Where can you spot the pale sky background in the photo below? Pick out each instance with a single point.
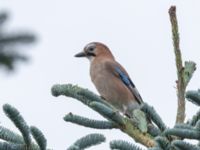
(137, 31)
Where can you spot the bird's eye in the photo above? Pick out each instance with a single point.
(90, 49)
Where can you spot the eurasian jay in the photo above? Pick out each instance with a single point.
(111, 79)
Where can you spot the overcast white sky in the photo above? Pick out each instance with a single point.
(137, 31)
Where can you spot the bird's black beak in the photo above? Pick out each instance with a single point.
(81, 54)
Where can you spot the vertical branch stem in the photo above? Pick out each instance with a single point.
(180, 70)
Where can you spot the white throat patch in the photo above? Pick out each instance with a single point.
(90, 58)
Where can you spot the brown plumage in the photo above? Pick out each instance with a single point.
(110, 78)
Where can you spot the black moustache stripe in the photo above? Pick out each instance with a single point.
(91, 54)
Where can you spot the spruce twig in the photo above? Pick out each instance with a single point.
(155, 148)
(182, 145)
(184, 73)
(19, 122)
(9, 42)
(150, 112)
(153, 130)
(83, 95)
(3, 17)
(87, 141)
(11, 146)
(13, 141)
(180, 70)
(194, 97)
(124, 124)
(13, 39)
(184, 126)
(194, 119)
(10, 136)
(163, 142)
(197, 126)
(89, 122)
(183, 133)
(108, 113)
(39, 137)
(123, 145)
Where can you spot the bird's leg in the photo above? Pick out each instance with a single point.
(125, 112)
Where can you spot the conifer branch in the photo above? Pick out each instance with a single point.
(153, 131)
(184, 126)
(14, 146)
(183, 133)
(163, 142)
(19, 122)
(17, 39)
(3, 17)
(89, 122)
(10, 136)
(83, 95)
(194, 119)
(108, 113)
(194, 97)
(197, 126)
(180, 70)
(9, 42)
(39, 137)
(182, 145)
(13, 141)
(153, 115)
(87, 141)
(184, 73)
(11, 146)
(123, 145)
(96, 103)
(155, 148)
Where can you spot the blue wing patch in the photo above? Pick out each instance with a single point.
(124, 77)
(127, 81)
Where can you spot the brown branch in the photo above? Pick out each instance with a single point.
(139, 137)
(180, 69)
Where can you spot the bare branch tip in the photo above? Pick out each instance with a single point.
(172, 10)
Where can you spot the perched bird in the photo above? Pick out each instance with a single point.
(111, 79)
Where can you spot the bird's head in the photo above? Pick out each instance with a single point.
(95, 50)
